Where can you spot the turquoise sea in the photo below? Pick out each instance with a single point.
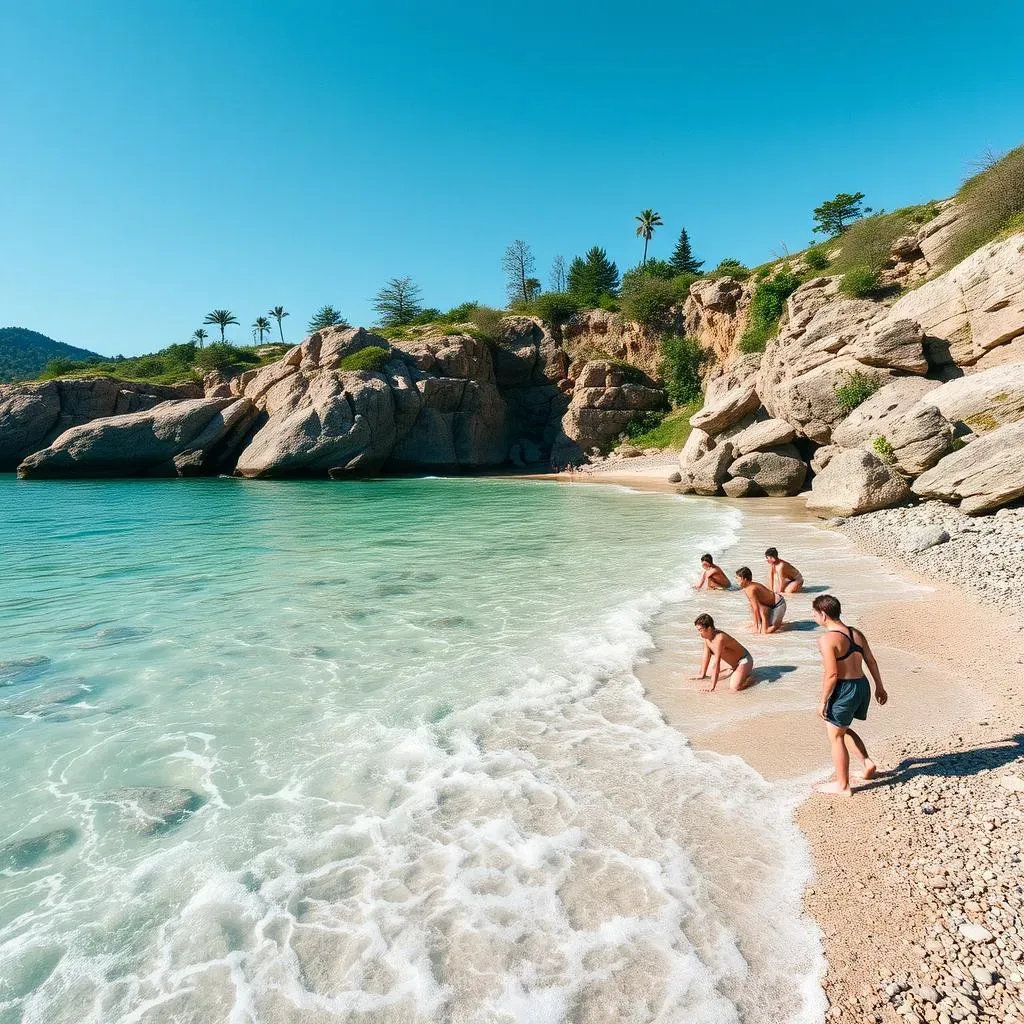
(416, 776)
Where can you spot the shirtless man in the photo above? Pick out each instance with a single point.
(767, 608)
(783, 576)
(711, 576)
(723, 651)
(845, 693)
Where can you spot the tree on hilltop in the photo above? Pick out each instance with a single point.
(833, 216)
(221, 318)
(261, 326)
(279, 313)
(557, 279)
(649, 220)
(398, 302)
(198, 337)
(518, 264)
(592, 276)
(683, 261)
(326, 316)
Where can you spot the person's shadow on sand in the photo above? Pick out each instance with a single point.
(956, 764)
(815, 590)
(799, 626)
(772, 673)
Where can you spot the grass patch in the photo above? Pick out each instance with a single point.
(857, 388)
(371, 359)
(883, 449)
(992, 204)
(668, 431)
(981, 422)
(867, 243)
(859, 283)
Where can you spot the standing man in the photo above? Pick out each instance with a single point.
(722, 651)
(767, 608)
(783, 576)
(845, 693)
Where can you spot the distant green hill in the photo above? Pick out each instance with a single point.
(24, 353)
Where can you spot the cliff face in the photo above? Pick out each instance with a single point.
(934, 379)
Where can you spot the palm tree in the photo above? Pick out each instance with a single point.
(221, 317)
(649, 220)
(279, 313)
(261, 325)
(199, 336)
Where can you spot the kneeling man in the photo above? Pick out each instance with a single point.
(845, 693)
(722, 650)
(767, 607)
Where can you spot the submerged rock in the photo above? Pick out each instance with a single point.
(22, 670)
(20, 854)
(152, 809)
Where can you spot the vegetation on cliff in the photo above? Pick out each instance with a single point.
(24, 353)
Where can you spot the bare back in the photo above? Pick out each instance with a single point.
(848, 646)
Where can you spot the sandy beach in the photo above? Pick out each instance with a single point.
(917, 886)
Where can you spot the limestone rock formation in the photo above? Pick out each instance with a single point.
(716, 314)
(919, 439)
(853, 482)
(779, 472)
(603, 402)
(973, 307)
(898, 345)
(34, 415)
(982, 401)
(707, 474)
(589, 334)
(143, 443)
(697, 444)
(730, 395)
(874, 416)
(762, 435)
(986, 475)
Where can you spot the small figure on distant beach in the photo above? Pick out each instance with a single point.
(767, 607)
(783, 576)
(845, 693)
(723, 652)
(711, 575)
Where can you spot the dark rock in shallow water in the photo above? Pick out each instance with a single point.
(120, 635)
(22, 670)
(43, 701)
(152, 809)
(20, 854)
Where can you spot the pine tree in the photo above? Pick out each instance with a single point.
(593, 276)
(682, 258)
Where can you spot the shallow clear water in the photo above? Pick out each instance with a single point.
(427, 785)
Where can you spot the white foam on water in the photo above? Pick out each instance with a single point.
(549, 852)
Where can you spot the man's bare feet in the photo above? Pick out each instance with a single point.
(868, 771)
(832, 789)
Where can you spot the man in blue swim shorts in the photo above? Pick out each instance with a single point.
(845, 692)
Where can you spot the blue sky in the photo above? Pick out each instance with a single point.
(164, 159)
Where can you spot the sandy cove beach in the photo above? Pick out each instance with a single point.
(918, 887)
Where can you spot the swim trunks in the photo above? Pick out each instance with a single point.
(745, 658)
(776, 611)
(849, 700)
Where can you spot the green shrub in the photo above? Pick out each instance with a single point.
(682, 360)
(857, 388)
(883, 449)
(371, 359)
(649, 299)
(426, 316)
(460, 314)
(608, 302)
(731, 268)
(642, 424)
(868, 242)
(487, 320)
(766, 307)
(859, 282)
(993, 203)
(554, 308)
(817, 259)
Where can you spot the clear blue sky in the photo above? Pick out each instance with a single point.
(164, 159)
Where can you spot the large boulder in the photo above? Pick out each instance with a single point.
(761, 436)
(919, 439)
(853, 482)
(982, 401)
(729, 396)
(875, 415)
(710, 471)
(780, 473)
(898, 345)
(986, 475)
(34, 415)
(974, 307)
(697, 444)
(716, 314)
(142, 443)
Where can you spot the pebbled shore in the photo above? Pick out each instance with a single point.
(984, 555)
